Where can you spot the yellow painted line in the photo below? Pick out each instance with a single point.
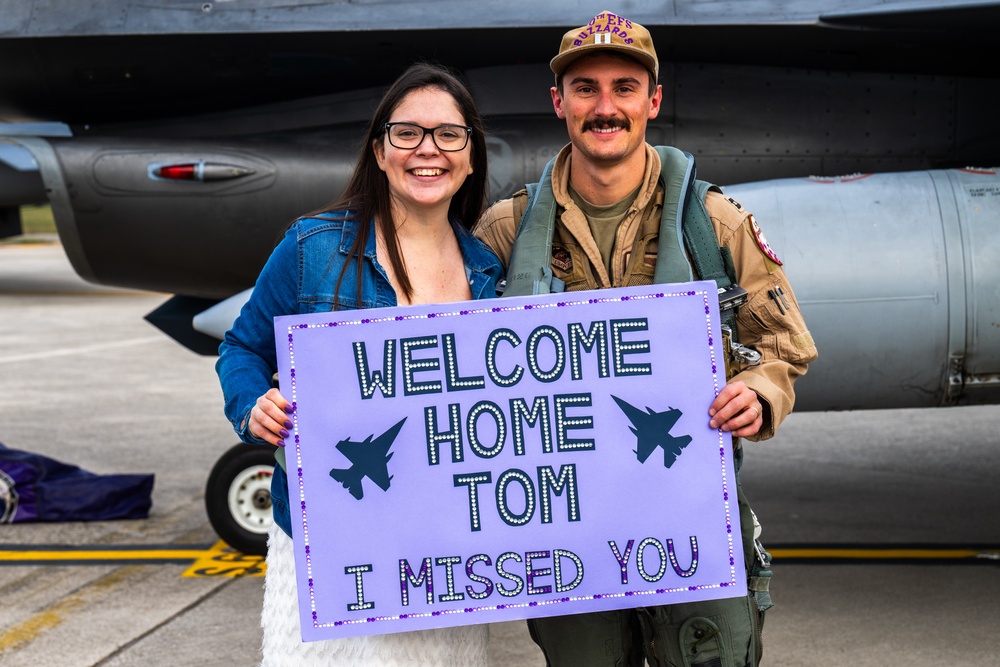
(219, 560)
(52, 616)
(27, 631)
(101, 555)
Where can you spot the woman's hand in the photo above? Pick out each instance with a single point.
(269, 418)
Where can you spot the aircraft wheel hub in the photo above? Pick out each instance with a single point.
(250, 498)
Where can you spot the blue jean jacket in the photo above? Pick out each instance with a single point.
(301, 277)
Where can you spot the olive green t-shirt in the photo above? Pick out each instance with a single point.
(604, 221)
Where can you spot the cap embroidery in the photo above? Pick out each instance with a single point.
(602, 30)
(607, 31)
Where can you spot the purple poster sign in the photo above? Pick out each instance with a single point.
(508, 458)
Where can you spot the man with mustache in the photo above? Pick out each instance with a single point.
(603, 198)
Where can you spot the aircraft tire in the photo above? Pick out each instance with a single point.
(238, 497)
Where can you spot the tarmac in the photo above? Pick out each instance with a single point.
(883, 523)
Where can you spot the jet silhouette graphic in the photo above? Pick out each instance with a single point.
(369, 460)
(652, 430)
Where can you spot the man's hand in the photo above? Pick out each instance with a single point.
(736, 409)
(269, 418)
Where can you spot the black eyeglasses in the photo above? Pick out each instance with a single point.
(448, 138)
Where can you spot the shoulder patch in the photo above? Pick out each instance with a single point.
(758, 235)
(735, 203)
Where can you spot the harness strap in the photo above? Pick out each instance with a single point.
(676, 173)
(530, 270)
(700, 237)
(710, 261)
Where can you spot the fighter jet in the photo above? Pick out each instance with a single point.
(370, 460)
(175, 139)
(652, 430)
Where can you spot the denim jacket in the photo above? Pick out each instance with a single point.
(301, 277)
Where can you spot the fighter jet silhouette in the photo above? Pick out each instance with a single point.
(652, 430)
(370, 460)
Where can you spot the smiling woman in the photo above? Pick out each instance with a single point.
(423, 178)
(398, 235)
(422, 175)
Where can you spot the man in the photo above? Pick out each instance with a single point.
(609, 191)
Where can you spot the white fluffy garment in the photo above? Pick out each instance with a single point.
(464, 646)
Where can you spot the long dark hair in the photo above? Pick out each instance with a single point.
(367, 193)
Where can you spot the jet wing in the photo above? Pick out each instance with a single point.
(634, 414)
(644, 447)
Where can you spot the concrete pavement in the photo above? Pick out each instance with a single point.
(85, 380)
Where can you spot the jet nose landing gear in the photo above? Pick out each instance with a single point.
(238, 497)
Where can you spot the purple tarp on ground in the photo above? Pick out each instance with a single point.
(37, 488)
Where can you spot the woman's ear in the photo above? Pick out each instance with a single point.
(378, 148)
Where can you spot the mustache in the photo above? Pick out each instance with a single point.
(607, 124)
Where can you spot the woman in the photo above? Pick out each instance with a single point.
(397, 236)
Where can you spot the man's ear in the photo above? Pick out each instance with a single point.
(655, 101)
(557, 102)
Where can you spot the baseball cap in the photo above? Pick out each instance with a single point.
(607, 30)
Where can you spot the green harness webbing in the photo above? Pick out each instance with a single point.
(530, 270)
(684, 225)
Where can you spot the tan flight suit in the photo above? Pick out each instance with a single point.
(784, 343)
(778, 333)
